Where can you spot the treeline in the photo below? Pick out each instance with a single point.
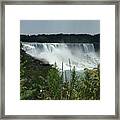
(61, 38)
(39, 81)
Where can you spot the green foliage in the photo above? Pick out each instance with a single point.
(38, 82)
(90, 86)
(63, 38)
(66, 38)
(54, 79)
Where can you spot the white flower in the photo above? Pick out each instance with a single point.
(40, 90)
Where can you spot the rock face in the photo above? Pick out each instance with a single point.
(33, 68)
(25, 56)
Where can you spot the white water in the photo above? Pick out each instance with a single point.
(81, 55)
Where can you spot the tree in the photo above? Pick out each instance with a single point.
(54, 85)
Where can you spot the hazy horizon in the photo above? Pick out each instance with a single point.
(35, 27)
(59, 33)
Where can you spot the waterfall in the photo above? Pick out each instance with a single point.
(81, 55)
(88, 48)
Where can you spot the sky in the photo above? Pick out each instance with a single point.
(59, 26)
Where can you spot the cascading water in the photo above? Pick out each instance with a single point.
(81, 55)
